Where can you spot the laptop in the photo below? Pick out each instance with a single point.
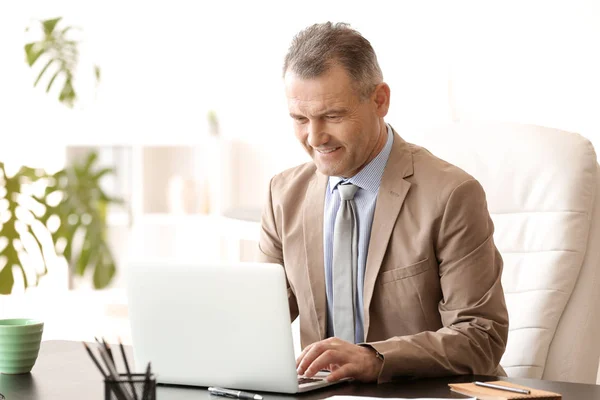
(225, 325)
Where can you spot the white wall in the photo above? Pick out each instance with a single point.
(165, 64)
(531, 63)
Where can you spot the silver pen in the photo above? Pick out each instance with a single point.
(236, 394)
(501, 387)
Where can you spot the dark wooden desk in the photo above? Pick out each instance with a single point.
(64, 371)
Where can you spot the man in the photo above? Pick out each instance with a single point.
(388, 250)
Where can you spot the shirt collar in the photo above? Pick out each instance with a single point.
(368, 178)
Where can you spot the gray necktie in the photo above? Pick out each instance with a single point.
(345, 264)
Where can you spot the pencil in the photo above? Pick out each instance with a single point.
(127, 369)
(146, 391)
(95, 360)
(502, 387)
(116, 384)
(108, 351)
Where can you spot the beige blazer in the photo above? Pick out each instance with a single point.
(433, 301)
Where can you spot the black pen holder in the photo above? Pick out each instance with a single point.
(124, 388)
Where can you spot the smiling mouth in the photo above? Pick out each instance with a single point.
(328, 151)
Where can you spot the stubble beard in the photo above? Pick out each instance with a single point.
(327, 169)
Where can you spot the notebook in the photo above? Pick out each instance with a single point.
(224, 325)
(483, 393)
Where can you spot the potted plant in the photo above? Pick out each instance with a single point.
(71, 209)
(60, 54)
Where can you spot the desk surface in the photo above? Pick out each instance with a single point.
(64, 371)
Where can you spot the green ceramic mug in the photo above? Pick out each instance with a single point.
(19, 344)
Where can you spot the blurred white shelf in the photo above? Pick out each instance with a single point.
(168, 191)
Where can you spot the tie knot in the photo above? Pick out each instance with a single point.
(347, 191)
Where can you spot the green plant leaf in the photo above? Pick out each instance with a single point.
(109, 199)
(52, 80)
(59, 50)
(14, 189)
(45, 271)
(44, 71)
(25, 280)
(6, 279)
(104, 271)
(102, 172)
(68, 233)
(82, 195)
(63, 32)
(67, 94)
(33, 51)
(84, 256)
(90, 160)
(32, 174)
(49, 25)
(97, 73)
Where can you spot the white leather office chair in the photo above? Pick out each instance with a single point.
(541, 187)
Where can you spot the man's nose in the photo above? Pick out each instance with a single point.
(316, 134)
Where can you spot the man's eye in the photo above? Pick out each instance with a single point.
(332, 117)
(300, 120)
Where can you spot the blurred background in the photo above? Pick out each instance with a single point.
(153, 128)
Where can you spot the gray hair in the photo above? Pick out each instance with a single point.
(320, 46)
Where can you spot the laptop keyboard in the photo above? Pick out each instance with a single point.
(302, 380)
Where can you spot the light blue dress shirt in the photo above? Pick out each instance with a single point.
(368, 180)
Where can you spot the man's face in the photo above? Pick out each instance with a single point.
(338, 129)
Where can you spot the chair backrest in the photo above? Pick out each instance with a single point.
(541, 188)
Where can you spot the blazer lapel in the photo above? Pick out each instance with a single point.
(391, 195)
(313, 241)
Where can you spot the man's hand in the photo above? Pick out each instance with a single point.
(343, 359)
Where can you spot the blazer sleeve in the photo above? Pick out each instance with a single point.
(473, 310)
(271, 248)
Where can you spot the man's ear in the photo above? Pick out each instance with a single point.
(381, 97)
